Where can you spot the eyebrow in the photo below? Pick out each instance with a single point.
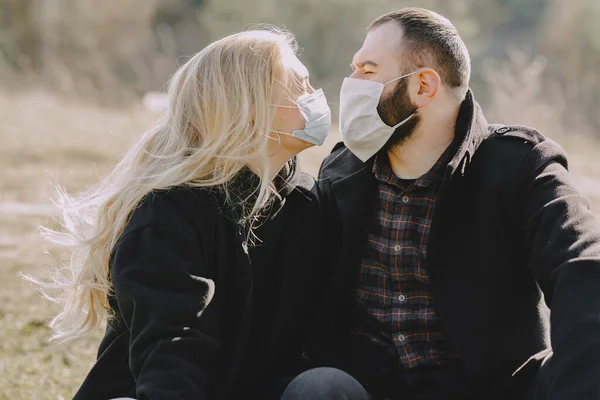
(366, 62)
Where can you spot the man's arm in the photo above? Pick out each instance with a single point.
(562, 238)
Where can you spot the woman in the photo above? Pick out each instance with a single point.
(187, 250)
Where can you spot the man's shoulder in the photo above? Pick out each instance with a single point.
(518, 138)
(340, 163)
(517, 143)
(516, 133)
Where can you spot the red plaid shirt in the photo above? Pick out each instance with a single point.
(394, 285)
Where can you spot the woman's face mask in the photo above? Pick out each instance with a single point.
(317, 118)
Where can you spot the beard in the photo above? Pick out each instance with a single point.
(394, 109)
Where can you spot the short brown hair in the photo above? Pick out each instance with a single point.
(430, 38)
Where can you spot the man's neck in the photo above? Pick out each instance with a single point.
(422, 149)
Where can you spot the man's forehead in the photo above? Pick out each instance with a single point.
(381, 42)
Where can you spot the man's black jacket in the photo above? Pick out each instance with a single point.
(509, 233)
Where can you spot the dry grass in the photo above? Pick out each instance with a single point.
(46, 141)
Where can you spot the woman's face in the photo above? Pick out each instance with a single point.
(290, 119)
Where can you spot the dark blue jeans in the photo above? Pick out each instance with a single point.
(325, 384)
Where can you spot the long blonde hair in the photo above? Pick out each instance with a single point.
(218, 118)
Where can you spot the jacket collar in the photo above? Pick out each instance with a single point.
(246, 183)
(293, 178)
(471, 130)
(244, 187)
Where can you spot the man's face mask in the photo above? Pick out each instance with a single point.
(362, 129)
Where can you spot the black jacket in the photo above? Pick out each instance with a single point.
(509, 230)
(194, 318)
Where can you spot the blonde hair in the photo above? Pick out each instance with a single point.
(218, 119)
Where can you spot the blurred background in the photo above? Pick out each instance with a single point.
(80, 80)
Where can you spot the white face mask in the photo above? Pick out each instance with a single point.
(361, 127)
(317, 116)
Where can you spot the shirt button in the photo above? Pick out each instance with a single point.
(401, 338)
(397, 248)
(405, 199)
(402, 298)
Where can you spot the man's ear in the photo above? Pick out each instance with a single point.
(429, 82)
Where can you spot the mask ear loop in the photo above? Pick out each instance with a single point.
(282, 106)
(411, 115)
(400, 77)
(404, 121)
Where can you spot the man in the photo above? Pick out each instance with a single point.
(449, 237)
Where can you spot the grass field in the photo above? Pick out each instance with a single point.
(46, 141)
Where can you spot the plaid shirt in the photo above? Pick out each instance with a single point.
(394, 285)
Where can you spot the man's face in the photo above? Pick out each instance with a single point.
(380, 60)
